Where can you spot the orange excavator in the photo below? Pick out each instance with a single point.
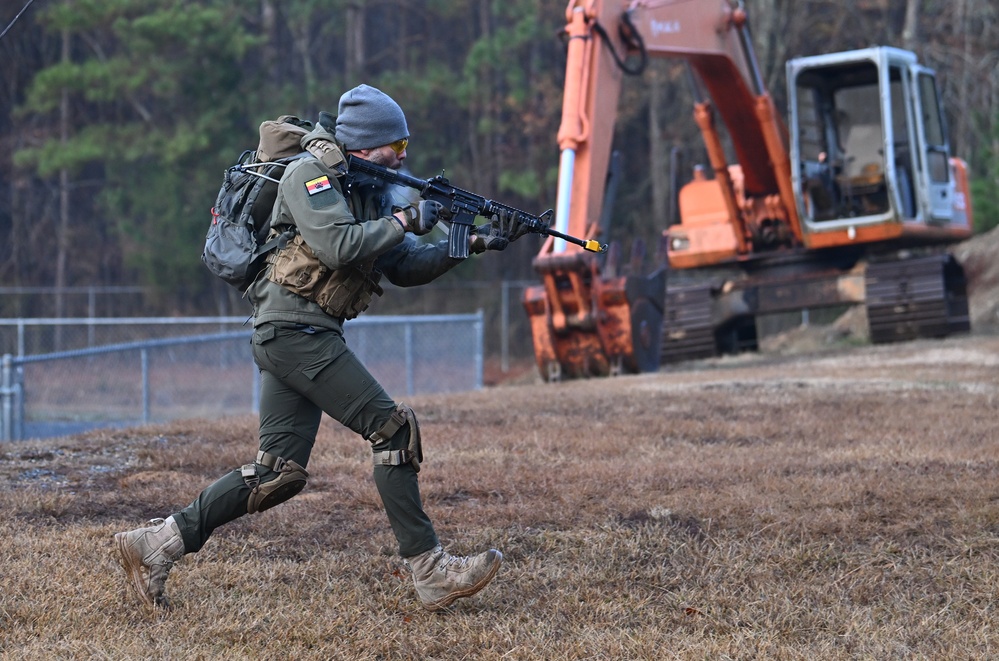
(852, 201)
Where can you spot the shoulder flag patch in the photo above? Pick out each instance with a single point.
(318, 185)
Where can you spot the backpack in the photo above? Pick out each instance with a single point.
(237, 241)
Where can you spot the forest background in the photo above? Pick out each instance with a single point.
(118, 117)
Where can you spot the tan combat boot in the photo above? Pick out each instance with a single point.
(147, 554)
(441, 578)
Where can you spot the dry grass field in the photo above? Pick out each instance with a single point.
(838, 504)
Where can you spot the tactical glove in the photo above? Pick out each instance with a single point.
(497, 234)
(513, 226)
(421, 219)
(487, 237)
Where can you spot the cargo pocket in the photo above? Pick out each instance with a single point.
(282, 351)
(331, 346)
(264, 334)
(260, 343)
(343, 386)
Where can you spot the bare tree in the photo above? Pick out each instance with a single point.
(658, 154)
(269, 28)
(354, 60)
(910, 31)
(62, 236)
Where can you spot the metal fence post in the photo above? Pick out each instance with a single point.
(408, 343)
(19, 401)
(144, 357)
(479, 326)
(91, 309)
(505, 327)
(10, 404)
(6, 394)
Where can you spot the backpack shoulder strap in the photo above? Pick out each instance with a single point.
(278, 241)
(329, 154)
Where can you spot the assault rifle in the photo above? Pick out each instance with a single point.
(464, 206)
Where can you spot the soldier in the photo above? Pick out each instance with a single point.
(345, 233)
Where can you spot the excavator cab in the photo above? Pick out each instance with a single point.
(868, 137)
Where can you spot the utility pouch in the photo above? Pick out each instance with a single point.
(348, 292)
(297, 268)
(341, 293)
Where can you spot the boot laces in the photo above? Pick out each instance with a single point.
(448, 562)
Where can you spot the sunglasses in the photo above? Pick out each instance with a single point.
(399, 146)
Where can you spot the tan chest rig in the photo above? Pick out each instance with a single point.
(341, 293)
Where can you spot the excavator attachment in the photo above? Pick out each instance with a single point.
(587, 321)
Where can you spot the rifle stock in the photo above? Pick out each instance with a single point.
(463, 206)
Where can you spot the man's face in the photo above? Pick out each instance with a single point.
(385, 156)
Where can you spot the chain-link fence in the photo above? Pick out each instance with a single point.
(113, 315)
(33, 336)
(95, 384)
(66, 302)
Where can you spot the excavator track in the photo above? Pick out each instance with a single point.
(906, 299)
(922, 297)
(688, 330)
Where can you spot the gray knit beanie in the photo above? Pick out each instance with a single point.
(368, 118)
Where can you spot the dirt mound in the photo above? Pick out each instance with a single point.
(849, 328)
(978, 256)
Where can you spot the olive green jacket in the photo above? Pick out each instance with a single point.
(341, 230)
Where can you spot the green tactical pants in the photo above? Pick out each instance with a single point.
(304, 374)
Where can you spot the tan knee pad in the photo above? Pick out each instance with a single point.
(291, 479)
(402, 415)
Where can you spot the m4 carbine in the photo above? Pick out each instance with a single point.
(463, 206)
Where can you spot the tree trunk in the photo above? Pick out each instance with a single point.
(910, 32)
(62, 236)
(486, 168)
(963, 26)
(354, 60)
(658, 154)
(763, 26)
(268, 27)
